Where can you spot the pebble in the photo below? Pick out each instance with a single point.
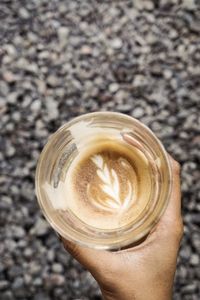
(55, 280)
(86, 50)
(196, 240)
(52, 109)
(36, 105)
(113, 87)
(52, 81)
(124, 107)
(57, 268)
(18, 283)
(195, 260)
(3, 284)
(18, 232)
(23, 13)
(116, 43)
(189, 4)
(40, 228)
(138, 112)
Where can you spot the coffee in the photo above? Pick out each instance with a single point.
(107, 185)
(103, 180)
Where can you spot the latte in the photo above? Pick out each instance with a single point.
(103, 180)
(108, 185)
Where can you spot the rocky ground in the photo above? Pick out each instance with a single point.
(60, 59)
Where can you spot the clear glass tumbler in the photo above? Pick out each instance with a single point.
(113, 225)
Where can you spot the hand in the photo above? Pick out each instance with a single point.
(145, 271)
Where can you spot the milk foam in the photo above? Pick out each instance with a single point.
(110, 190)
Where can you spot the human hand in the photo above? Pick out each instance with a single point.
(145, 271)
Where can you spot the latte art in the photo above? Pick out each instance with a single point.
(107, 194)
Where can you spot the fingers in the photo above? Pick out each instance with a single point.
(89, 258)
(171, 222)
(174, 207)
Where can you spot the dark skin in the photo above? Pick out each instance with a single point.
(145, 271)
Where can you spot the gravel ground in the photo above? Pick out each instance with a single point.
(60, 59)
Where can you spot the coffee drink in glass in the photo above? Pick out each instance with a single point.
(103, 180)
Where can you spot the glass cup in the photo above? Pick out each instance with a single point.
(113, 225)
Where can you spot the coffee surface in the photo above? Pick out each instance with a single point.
(106, 180)
(108, 184)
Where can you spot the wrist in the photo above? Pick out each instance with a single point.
(158, 293)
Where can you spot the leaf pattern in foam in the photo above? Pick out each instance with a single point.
(110, 186)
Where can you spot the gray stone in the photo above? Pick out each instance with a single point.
(18, 283)
(57, 268)
(138, 112)
(41, 296)
(40, 228)
(18, 232)
(36, 105)
(189, 4)
(195, 260)
(196, 241)
(53, 81)
(116, 43)
(52, 109)
(113, 87)
(37, 282)
(124, 107)
(63, 33)
(24, 14)
(3, 284)
(185, 252)
(55, 280)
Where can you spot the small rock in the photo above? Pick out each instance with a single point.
(40, 228)
(12, 97)
(50, 255)
(86, 50)
(140, 81)
(41, 296)
(8, 295)
(3, 284)
(148, 5)
(196, 241)
(113, 87)
(194, 260)
(34, 268)
(124, 107)
(37, 281)
(167, 74)
(57, 268)
(189, 4)
(28, 252)
(9, 77)
(189, 289)
(138, 112)
(52, 109)
(63, 33)
(185, 252)
(18, 283)
(116, 43)
(16, 116)
(23, 13)
(36, 105)
(10, 151)
(18, 232)
(55, 280)
(52, 81)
